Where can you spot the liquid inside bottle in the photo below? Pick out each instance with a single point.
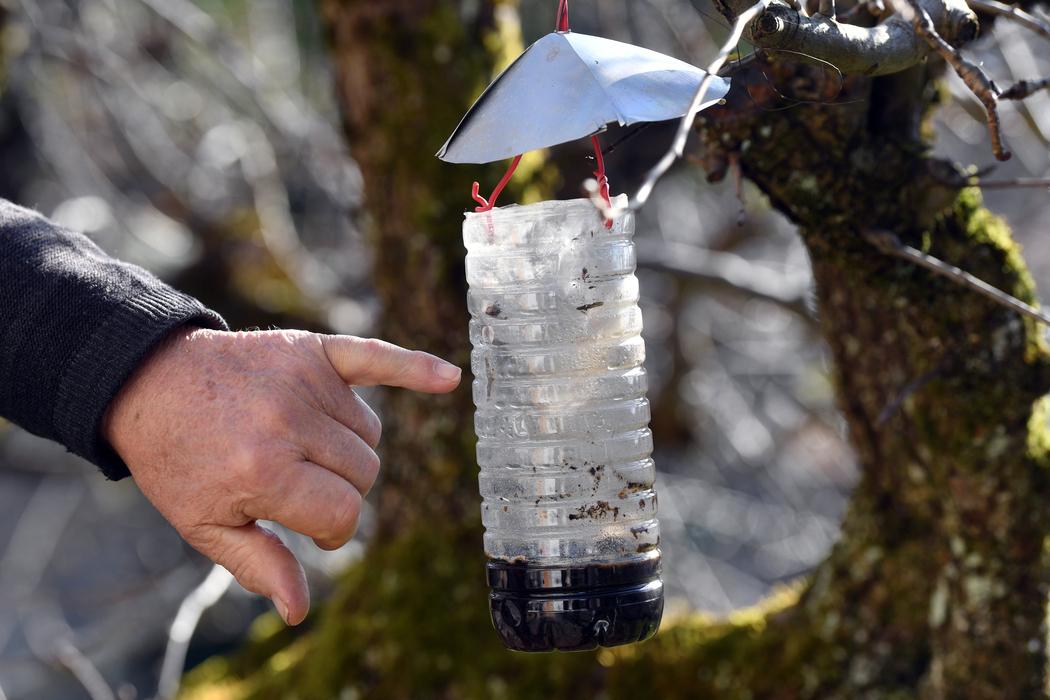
(564, 447)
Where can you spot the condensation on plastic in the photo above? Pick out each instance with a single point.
(562, 419)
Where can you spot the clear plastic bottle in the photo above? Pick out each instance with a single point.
(562, 421)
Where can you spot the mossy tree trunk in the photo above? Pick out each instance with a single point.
(406, 71)
(939, 583)
(938, 586)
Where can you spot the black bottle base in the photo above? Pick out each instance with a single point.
(543, 609)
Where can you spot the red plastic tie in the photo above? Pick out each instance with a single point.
(490, 203)
(601, 177)
(563, 16)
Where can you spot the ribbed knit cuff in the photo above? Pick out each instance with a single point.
(107, 359)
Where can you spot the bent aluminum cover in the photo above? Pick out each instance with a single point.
(568, 86)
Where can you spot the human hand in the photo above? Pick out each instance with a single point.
(220, 430)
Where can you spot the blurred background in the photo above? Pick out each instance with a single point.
(201, 140)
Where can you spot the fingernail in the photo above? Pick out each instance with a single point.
(282, 609)
(447, 371)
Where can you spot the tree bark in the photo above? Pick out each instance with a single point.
(939, 386)
(937, 588)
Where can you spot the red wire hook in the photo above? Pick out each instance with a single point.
(563, 16)
(490, 203)
(601, 177)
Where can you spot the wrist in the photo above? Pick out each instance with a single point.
(126, 408)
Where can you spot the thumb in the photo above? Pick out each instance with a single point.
(370, 362)
(262, 564)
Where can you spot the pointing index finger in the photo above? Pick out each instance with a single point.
(371, 362)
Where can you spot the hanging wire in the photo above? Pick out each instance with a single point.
(796, 101)
(600, 177)
(627, 137)
(490, 203)
(563, 16)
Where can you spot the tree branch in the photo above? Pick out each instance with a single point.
(886, 48)
(975, 78)
(685, 125)
(1026, 19)
(1024, 88)
(81, 668)
(890, 244)
(1008, 184)
(204, 596)
(49, 637)
(890, 47)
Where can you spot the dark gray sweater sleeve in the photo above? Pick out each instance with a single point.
(74, 323)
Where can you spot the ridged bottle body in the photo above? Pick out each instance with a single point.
(564, 447)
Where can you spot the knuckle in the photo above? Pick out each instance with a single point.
(370, 468)
(369, 426)
(259, 466)
(370, 346)
(375, 432)
(274, 417)
(248, 460)
(271, 476)
(345, 518)
(373, 426)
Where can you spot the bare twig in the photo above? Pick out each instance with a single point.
(738, 186)
(688, 27)
(35, 539)
(199, 27)
(727, 271)
(48, 635)
(1007, 184)
(204, 596)
(301, 125)
(1025, 19)
(1024, 88)
(979, 83)
(890, 244)
(1021, 59)
(685, 126)
(677, 148)
(165, 163)
(906, 393)
(80, 666)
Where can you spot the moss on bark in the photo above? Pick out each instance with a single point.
(937, 587)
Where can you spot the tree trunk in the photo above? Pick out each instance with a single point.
(937, 587)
